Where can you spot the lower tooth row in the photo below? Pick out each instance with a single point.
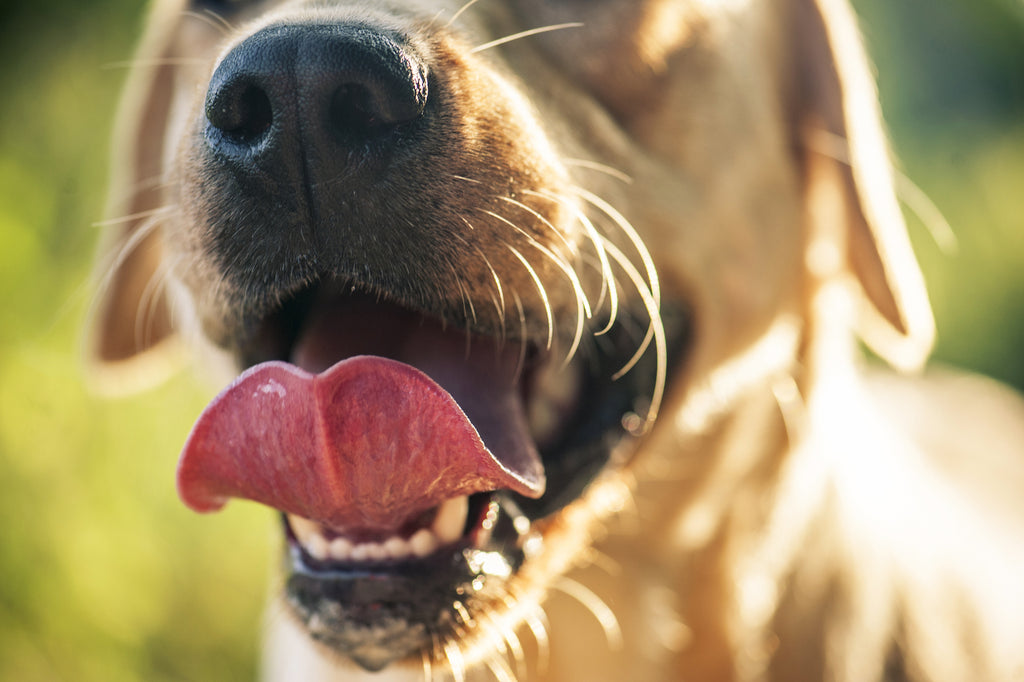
(422, 543)
(446, 528)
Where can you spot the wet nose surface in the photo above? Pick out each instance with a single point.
(319, 93)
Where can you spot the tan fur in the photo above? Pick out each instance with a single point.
(790, 516)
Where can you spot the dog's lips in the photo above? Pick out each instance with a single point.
(368, 443)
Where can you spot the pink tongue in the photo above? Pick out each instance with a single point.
(366, 444)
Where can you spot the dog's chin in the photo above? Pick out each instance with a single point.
(404, 588)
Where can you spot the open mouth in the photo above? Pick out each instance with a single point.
(411, 459)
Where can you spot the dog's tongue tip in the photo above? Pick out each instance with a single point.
(368, 441)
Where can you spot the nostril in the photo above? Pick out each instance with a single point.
(240, 110)
(353, 112)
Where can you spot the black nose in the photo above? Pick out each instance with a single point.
(312, 94)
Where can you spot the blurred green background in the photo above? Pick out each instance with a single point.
(104, 575)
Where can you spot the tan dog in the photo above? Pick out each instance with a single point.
(587, 277)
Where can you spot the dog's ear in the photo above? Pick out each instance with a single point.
(132, 344)
(840, 123)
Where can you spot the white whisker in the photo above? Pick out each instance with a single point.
(149, 299)
(536, 623)
(463, 613)
(837, 148)
(600, 610)
(631, 234)
(155, 62)
(212, 19)
(500, 669)
(655, 331)
(460, 12)
(607, 277)
(514, 648)
(132, 216)
(601, 560)
(499, 300)
(600, 168)
(582, 305)
(456, 663)
(524, 34)
(536, 214)
(428, 668)
(145, 228)
(543, 294)
(521, 361)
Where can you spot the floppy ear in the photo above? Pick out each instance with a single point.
(841, 122)
(132, 341)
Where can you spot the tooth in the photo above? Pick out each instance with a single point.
(423, 542)
(341, 548)
(397, 548)
(375, 551)
(451, 519)
(303, 528)
(317, 546)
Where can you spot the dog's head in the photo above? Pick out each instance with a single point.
(463, 252)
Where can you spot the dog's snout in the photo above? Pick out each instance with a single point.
(296, 88)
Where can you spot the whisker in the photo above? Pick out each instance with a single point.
(428, 668)
(500, 669)
(154, 62)
(600, 168)
(607, 277)
(536, 214)
(456, 663)
(213, 19)
(127, 247)
(524, 34)
(499, 300)
(463, 613)
(514, 648)
(596, 557)
(436, 652)
(460, 12)
(837, 148)
(791, 404)
(631, 234)
(537, 623)
(149, 299)
(582, 305)
(132, 216)
(521, 360)
(151, 183)
(543, 294)
(600, 610)
(655, 331)
(468, 311)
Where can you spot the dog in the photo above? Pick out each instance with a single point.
(539, 321)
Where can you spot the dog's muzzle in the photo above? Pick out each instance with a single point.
(411, 445)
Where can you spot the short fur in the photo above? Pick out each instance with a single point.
(792, 515)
